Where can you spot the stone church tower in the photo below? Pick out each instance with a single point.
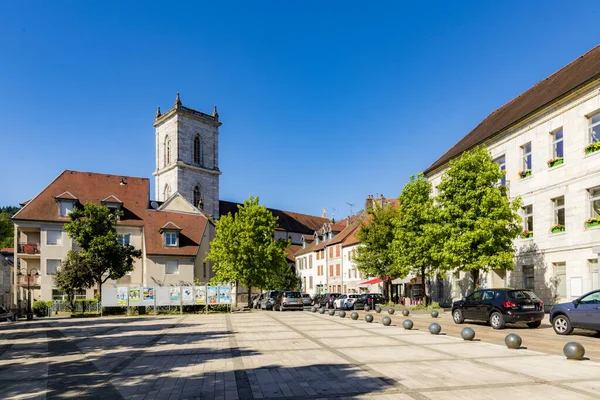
(187, 156)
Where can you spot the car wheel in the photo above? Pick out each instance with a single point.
(562, 325)
(457, 316)
(496, 320)
(534, 324)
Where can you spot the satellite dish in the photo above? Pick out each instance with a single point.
(154, 205)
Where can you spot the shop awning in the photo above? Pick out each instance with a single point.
(370, 282)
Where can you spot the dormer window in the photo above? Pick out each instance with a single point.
(170, 233)
(66, 202)
(112, 203)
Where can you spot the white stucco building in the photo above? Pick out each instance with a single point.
(547, 141)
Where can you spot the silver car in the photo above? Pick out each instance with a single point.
(306, 300)
(288, 300)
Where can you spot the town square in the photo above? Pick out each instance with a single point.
(300, 200)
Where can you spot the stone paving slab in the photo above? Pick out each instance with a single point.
(525, 392)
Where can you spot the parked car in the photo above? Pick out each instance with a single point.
(257, 299)
(326, 300)
(499, 306)
(6, 315)
(306, 300)
(269, 299)
(346, 301)
(583, 313)
(371, 299)
(288, 300)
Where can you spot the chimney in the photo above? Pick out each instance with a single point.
(324, 213)
(369, 202)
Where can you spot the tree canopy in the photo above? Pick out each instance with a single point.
(244, 248)
(72, 276)
(102, 257)
(375, 255)
(7, 231)
(478, 221)
(416, 244)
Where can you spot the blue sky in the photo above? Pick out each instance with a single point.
(322, 103)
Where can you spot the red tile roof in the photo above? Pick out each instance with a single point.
(291, 250)
(88, 186)
(571, 77)
(192, 228)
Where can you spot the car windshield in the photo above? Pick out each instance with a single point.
(306, 295)
(292, 295)
(274, 294)
(354, 296)
(522, 294)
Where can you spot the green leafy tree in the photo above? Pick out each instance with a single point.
(416, 242)
(244, 248)
(284, 278)
(93, 230)
(7, 229)
(479, 222)
(375, 255)
(73, 276)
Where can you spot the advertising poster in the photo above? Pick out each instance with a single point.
(175, 294)
(188, 294)
(200, 295)
(134, 295)
(212, 295)
(148, 294)
(122, 296)
(224, 295)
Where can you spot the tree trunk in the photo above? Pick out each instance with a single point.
(99, 288)
(475, 276)
(425, 299)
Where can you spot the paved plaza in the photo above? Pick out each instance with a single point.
(291, 355)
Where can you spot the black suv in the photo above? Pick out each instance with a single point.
(371, 299)
(499, 306)
(326, 299)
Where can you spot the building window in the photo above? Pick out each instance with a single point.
(310, 282)
(123, 239)
(330, 252)
(167, 151)
(528, 277)
(337, 250)
(560, 278)
(52, 266)
(559, 214)
(557, 144)
(593, 263)
(170, 238)
(594, 196)
(310, 261)
(167, 192)
(337, 270)
(528, 219)
(526, 160)
(197, 150)
(65, 208)
(594, 129)
(197, 196)
(304, 284)
(172, 267)
(54, 238)
(501, 161)
(331, 270)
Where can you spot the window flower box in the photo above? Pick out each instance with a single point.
(592, 222)
(525, 174)
(526, 234)
(553, 162)
(590, 148)
(557, 228)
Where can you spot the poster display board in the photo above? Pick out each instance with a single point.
(109, 296)
(175, 295)
(199, 294)
(224, 295)
(134, 296)
(148, 294)
(162, 295)
(187, 295)
(211, 294)
(122, 295)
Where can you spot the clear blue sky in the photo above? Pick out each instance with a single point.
(322, 103)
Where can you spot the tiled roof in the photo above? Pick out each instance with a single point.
(569, 78)
(170, 226)
(352, 239)
(86, 187)
(348, 231)
(287, 220)
(192, 228)
(66, 195)
(111, 199)
(291, 250)
(308, 238)
(9, 250)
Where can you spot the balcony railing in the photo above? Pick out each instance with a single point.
(28, 248)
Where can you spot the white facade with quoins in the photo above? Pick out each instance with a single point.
(560, 199)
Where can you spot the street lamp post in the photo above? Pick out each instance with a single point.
(29, 273)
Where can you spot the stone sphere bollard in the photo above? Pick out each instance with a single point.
(405, 312)
(434, 314)
(407, 324)
(354, 315)
(435, 329)
(313, 309)
(366, 307)
(513, 341)
(342, 314)
(369, 318)
(467, 334)
(332, 312)
(391, 310)
(377, 309)
(387, 321)
(321, 310)
(574, 351)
